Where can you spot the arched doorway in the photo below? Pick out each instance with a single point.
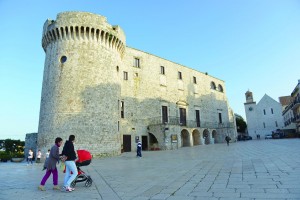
(153, 143)
(185, 138)
(196, 137)
(206, 136)
(214, 135)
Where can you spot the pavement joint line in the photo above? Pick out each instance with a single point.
(106, 184)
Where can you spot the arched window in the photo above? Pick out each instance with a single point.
(220, 88)
(212, 85)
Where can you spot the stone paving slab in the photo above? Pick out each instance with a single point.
(251, 170)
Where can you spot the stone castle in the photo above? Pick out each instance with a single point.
(110, 96)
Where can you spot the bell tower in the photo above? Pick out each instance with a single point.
(249, 97)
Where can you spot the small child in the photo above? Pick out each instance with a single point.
(30, 156)
(38, 156)
(139, 149)
(46, 159)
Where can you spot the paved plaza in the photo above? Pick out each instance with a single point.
(264, 169)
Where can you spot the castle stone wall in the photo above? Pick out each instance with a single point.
(84, 85)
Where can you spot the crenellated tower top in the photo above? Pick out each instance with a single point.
(83, 26)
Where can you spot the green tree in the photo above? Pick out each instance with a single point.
(14, 146)
(240, 123)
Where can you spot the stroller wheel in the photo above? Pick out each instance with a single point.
(89, 182)
(73, 183)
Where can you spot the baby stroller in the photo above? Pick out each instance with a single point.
(84, 159)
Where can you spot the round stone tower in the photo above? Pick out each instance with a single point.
(81, 88)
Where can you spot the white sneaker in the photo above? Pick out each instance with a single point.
(68, 189)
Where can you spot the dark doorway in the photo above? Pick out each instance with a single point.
(198, 118)
(164, 110)
(126, 143)
(144, 143)
(182, 113)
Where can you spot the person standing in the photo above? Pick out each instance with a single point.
(46, 159)
(51, 165)
(38, 156)
(30, 156)
(139, 149)
(69, 153)
(47, 154)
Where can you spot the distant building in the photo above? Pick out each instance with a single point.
(287, 112)
(285, 101)
(291, 113)
(263, 117)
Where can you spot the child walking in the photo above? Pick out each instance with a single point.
(46, 158)
(30, 156)
(51, 166)
(139, 149)
(38, 156)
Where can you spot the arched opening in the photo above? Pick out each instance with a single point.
(220, 88)
(196, 137)
(153, 143)
(206, 136)
(185, 138)
(212, 85)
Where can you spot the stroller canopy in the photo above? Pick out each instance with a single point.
(83, 155)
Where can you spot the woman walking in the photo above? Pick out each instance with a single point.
(51, 165)
(69, 152)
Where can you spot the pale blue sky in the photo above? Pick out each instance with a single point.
(252, 44)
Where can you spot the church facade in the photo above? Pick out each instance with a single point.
(110, 95)
(263, 117)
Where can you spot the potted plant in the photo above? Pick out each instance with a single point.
(17, 157)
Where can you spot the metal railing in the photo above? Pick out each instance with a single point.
(188, 123)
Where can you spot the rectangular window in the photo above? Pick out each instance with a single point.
(164, 110)
(122, 109)
(264, 125)
(162, 70)
(220, 118)
(136, 62)
(182, 113)
(272, 111)
(264, 112)
(179, 76)
(118, 126)
(276, 124)
(194, 80)
(125, 75)
(198, 118)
